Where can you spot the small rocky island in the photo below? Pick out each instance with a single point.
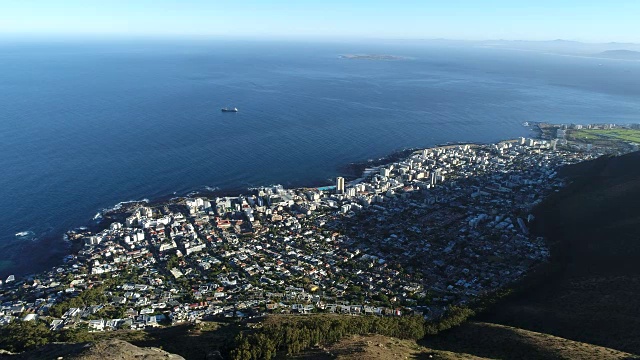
(619, 54)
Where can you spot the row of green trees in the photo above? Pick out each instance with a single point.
(22, 335)
(454, 316)
(19, 336)
(288, 335)
(94, 296)
(293, 335)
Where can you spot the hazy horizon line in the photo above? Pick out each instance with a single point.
(117, 36)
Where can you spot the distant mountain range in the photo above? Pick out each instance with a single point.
(568, 47)
(610, 50)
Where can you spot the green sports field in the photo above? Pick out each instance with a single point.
(631, 135)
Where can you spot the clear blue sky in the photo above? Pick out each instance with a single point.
(585, 20)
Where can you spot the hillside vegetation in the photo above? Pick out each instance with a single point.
(375, 347)
(504, 342)
(594, 228)
(108, 349)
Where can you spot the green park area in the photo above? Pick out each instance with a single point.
(631, 135)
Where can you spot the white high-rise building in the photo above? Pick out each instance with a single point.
(339, 185)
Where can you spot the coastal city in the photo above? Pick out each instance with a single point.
(319, 180)
(444, 226)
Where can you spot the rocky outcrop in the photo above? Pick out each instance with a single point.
(109, 349)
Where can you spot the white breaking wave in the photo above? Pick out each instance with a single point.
(25, 233)
(119, 205)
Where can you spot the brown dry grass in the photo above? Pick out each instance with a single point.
(377, 347)
(505, 342)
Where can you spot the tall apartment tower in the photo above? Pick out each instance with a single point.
(340, 185)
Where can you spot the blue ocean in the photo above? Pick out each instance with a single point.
(87, 124)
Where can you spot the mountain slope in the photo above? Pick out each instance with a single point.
(594, 226)
(377, 347)
(109, 349)
(504, 342)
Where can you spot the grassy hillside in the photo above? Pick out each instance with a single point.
(504, 342)
(473, 340)
(106, 349)
(188, 341)
(592, 293)
(377, 347)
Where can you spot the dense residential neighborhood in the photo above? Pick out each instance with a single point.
(442, 227)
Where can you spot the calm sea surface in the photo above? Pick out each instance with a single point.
(84, 126)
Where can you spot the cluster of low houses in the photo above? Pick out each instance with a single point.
(438, 228)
